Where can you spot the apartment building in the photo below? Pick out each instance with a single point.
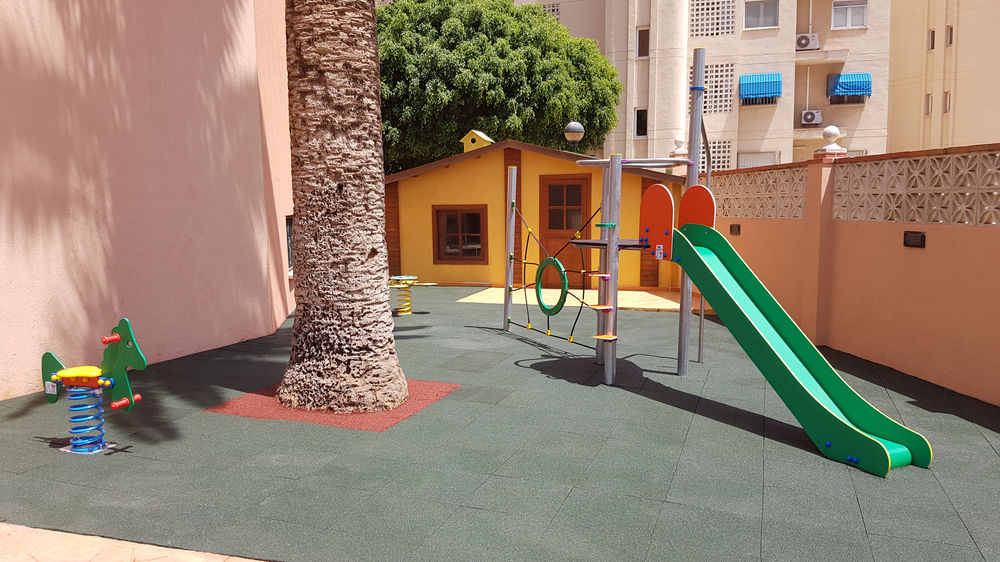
(777, 73)
(943, 74)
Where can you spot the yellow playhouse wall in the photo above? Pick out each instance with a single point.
(476, 181)
(535, 165)
(482, 180)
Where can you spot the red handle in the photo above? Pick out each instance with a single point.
(125, 402)
(112, 338)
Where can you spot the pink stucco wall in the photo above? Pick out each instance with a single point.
(929, 312)
(142, 174)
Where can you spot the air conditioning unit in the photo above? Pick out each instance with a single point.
(806, 42)
(812, 117)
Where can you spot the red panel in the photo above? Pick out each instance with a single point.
(656, 218)
(698, 206)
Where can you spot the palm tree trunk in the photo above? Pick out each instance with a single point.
(343, 351)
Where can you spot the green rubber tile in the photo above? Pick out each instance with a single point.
(478, 534)
(929, 519)
(317, 507)
(478, 393)
(818, 476)
(528, 498)
(387, 518)
(475, 361)
(631, 474)
(446, 486)
(564, 541)
(653, 431)
(827, 508)
(486, 434)
(338, 545)
(424, 429)
(721, 489)
(626, 516)
(175, 525)
(897, 548)
(283, 463)
(38, 502)
(563, 443)
(552, 469)
(176, 482)
(811, 540)
(685, 532)
(462, 458)
(458, 412)
(361, 472)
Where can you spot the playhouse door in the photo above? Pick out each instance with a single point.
(565, 206)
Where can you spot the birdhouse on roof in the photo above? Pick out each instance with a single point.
(475, 139)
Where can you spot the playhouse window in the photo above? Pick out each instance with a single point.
(460, 234)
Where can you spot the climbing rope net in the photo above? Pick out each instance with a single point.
(551, 260)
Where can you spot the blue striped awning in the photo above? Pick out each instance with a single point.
(766, 85)
(849, 84)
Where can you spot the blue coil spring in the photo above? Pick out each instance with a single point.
(91, 422)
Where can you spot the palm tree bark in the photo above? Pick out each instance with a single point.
(343, 351)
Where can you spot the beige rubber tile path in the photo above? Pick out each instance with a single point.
(25, 543)
(627, 300)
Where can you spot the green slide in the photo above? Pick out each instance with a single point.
(842, 424)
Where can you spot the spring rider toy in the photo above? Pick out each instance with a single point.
(84, 386)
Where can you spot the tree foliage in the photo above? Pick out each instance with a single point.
(449, 66)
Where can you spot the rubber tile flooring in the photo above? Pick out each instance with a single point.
(530, 458)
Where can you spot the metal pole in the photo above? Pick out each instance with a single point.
(701, 331)
(602, 285)
(511, 222)
(611, 322)
(694, 153)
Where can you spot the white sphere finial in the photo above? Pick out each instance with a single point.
(830, 135)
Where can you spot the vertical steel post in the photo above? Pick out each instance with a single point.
(694, 154)
(511, 224)
(602, 285)
(611, 316)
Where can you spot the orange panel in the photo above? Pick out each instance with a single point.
(656, 219)
(698, 206)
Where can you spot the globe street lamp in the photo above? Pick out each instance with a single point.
(573, 133)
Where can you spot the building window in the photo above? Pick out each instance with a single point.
(711, 18)
(641, 122)
(722, 158)
(552, 9)
(928, 103)
(763, 13)
(949, 36)
(460, 234)
(719, 80)
(642, 43)
(755, 159)
(848, 87)
(288, 236)
(847, 99)
(849, 14)
(946, 103)
(930, 39)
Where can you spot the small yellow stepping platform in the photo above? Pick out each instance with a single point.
(601, 307)
(601, 275)
(606, 337)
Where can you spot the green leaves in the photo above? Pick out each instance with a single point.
(449, 66)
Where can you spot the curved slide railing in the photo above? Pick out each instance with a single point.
(842, 424)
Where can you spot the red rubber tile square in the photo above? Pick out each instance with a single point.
(262, 405)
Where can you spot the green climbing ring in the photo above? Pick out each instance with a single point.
(563, 282)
